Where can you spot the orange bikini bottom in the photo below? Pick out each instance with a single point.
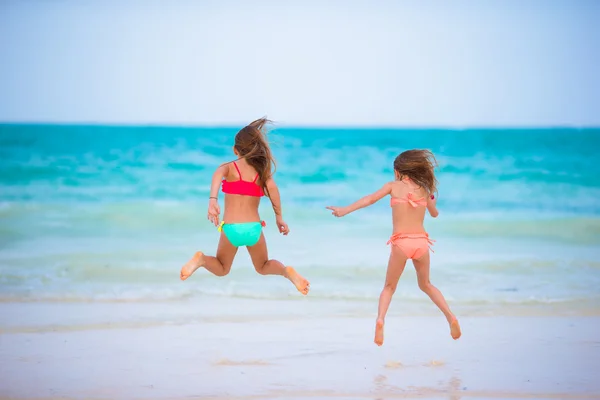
(413, 245)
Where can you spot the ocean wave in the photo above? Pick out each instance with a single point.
(154, 295)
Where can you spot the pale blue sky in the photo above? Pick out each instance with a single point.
(310, 62)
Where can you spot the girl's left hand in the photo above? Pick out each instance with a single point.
(337, 211)
(282, 226)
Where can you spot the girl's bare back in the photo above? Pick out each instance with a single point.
(405, 216)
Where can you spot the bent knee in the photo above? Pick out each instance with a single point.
(260, 270)
(225, 271)
(259, 267)
(425, 286)
(390, 287)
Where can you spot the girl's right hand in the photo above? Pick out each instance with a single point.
(213, 211)
(337, 211)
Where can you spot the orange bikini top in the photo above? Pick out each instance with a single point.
(410, 199)
(242, 187)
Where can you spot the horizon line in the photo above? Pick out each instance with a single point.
(291, 126)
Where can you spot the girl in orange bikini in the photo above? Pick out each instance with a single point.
(244, 183)
(411, 194)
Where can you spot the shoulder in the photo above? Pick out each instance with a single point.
(390, 185)
(387, 187)
(270, 181)
(224, 168)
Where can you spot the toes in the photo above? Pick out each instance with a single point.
(306, 288)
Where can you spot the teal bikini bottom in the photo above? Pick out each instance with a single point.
(242, 234)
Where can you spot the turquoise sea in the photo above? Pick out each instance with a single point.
(110, 213)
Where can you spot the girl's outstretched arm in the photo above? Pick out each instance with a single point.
(276, 203)
(431, 206)
(362, 203)
(213, 203)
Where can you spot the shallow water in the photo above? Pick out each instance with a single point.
(111, 213)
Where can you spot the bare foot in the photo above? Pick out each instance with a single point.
(455, 329)
(379, 332)
(301, 284)
(191, 266)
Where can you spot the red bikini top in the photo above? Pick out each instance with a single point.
(242, 187)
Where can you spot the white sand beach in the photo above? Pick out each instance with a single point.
(100, 351)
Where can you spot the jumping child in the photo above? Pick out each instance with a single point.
(244, 182)
(412, 192)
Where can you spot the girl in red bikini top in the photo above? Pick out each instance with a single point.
(411, 196)
(244, 182)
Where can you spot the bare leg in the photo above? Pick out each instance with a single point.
(219, 265)
(264, 266)
(422, 268)
(395, 268)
